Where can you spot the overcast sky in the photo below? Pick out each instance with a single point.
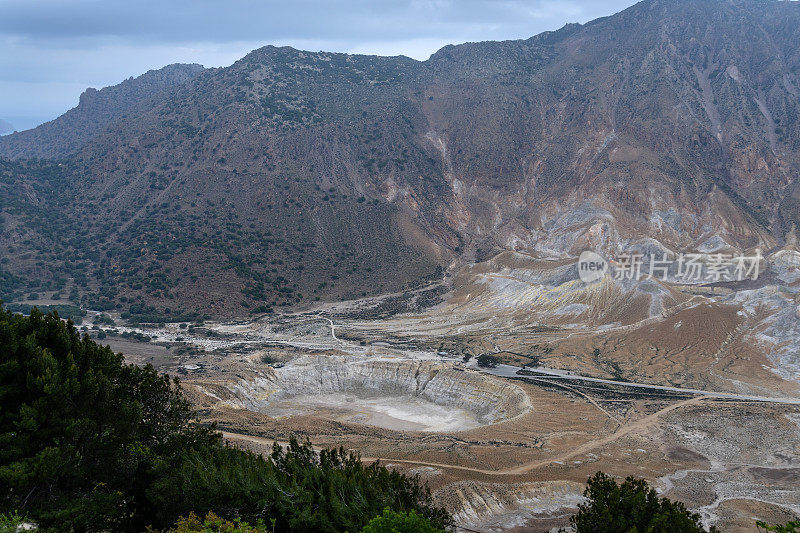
(51, 50)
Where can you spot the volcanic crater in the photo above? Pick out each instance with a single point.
(402, 395)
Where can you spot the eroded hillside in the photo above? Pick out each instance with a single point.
(291, 176)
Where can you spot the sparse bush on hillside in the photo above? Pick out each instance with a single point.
(103, 318)
(487, 360)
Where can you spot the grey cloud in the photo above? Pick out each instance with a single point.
(204, 20)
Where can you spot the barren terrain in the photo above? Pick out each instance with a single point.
(697, 397)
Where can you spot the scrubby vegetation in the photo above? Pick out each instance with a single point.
(792, 526)
(11, 522)
(102, 258)
(631, 506)
(486, 360)
(92, 444)
(212, 523)
(393, 522)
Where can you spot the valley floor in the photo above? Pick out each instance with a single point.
(704, 416)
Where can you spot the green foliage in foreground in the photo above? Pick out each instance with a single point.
(632, 507)
(389, 522)
(88, 443)
(392, 522)
(10, 523)
(214, 524)
(788, 527)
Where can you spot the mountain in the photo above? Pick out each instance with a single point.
(96, 110)
(295, 175)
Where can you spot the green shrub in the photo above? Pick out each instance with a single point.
(103, 318)
(631, 506)
(487, 361)
(789, 527)
(12, 522)
(393, 522)
(212, 523)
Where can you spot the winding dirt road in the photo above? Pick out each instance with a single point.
(637, 425)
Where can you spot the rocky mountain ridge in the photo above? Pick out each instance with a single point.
(295, 175)
(96, 110)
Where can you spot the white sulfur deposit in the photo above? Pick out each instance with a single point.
(393, 393)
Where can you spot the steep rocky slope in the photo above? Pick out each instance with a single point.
(96, 110)
(293, 175)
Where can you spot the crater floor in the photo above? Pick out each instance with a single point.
(402, 395)
(399, 413)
